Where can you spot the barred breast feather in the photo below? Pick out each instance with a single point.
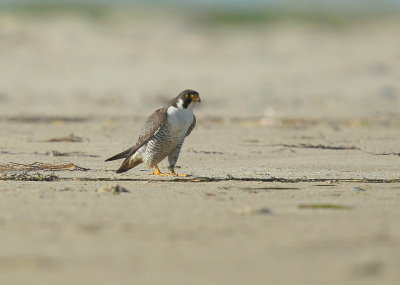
(168, 136)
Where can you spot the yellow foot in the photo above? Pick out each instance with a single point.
(158, 172)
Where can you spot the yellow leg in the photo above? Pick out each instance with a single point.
(158, 172)
(175, 174)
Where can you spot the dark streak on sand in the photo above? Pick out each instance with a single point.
(221, 179)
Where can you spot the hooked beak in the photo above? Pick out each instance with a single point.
(195, 98)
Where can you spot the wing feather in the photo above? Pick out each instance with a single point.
(191, 126)
(152, 125)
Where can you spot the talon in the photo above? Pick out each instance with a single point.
(166, 174)
(157, 172)
(172, 169)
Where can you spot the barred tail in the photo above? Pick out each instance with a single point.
(128, 164)
(123, 154)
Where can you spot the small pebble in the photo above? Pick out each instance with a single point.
(246, 211)
(358, 189)
(115, 189)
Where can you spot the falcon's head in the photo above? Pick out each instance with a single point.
(187, 99)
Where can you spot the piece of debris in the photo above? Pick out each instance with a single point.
(74, 153)
(268, 188)
(325, 206)
(70, 138)
(114, 189)
(41, 166)
(28, 177)
(368, 268)
(65, 189)
(45, 119)
(231, 178)
(205, 152)
(247, 211)
(319, 146)
(386, 153)
(263, 211)
(357, 189)
(283, 149)
(251, 141)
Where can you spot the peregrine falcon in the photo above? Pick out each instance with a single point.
(162, 135)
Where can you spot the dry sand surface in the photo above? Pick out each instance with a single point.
(294, 163)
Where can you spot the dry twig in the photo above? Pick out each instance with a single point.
(70, 138)
(41, 166)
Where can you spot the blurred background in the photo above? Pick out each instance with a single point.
(274, 59)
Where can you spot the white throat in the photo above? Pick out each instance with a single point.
(179, 105)
(180, 119)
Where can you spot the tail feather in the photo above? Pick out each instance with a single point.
(128, 164)
(123, 154)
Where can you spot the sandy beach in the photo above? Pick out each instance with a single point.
(294, 164)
